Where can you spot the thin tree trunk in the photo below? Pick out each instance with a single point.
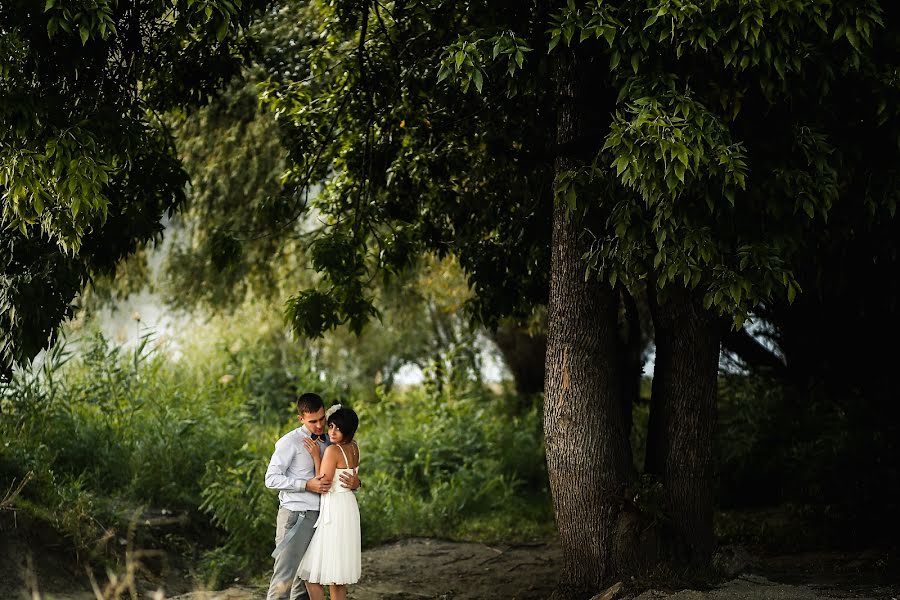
(524, 355)
(630, 355)
(586, 443)
(683, 419)
(657, 441)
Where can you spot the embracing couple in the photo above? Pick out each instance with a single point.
(317, 536)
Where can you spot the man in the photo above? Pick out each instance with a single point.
(292, 472)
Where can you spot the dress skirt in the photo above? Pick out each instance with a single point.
(335, 551)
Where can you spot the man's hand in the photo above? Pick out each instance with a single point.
(318, 485)
(349, 481)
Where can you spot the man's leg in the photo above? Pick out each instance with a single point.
(284, 584)
(300, 543)
(287, 561)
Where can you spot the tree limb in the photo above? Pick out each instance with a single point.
(752, 353)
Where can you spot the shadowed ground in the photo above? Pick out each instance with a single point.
(424, 568)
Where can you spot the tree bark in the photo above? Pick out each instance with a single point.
(586, 442)
(683, 419)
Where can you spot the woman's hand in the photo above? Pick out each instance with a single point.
(312, 447)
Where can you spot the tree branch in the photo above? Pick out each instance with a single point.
(752, 353)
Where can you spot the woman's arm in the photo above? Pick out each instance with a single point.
(328, 466)
(313, 448)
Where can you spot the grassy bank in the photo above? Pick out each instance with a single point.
(108, 434)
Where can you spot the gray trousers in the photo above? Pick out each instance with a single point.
(285, 585)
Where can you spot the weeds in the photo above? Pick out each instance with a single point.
(108, 430)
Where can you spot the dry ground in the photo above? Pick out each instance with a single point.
(423, 568)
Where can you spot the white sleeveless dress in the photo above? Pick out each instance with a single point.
(334, 553)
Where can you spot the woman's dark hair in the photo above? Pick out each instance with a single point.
(345, 420)
(309, 403)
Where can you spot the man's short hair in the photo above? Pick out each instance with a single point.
(309, 403)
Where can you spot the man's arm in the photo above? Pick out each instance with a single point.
(276, 473)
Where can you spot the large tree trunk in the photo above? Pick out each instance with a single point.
(586, 442)
(683, 419)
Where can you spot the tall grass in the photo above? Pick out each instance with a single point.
(110, 431)
(459, 467)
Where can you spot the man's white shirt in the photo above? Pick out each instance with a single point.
(290, 468)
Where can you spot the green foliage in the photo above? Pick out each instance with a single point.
(449, 466)
(699, 71)
(230, 150)
(238, 502)
(408, 161)
(669, 136)
(420, 323)
(467, 60)
(596, 20)
(114, 430)
(720, 160)
(110, 432)
(87, 168)
(824, 458)
(67, 157)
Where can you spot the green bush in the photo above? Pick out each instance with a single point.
(235, 497)
(437, 465)
(815, 453)
(113, 430)
(109, 432)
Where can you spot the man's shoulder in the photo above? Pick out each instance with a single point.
(290, 437)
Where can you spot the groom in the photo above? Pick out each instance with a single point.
(292, 472)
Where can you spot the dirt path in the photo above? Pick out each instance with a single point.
(438, 570)
(417, 569)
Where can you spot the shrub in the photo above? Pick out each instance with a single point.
(112, 431)
(431, 465)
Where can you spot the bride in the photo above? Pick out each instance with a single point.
(334, 554)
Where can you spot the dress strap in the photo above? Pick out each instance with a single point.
(346, 462)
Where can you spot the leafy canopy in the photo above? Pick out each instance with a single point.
(715, 141)
(87, 167)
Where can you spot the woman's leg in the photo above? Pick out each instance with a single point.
(316, 591)
(338, 592)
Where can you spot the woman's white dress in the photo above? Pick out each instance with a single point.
(334, 553)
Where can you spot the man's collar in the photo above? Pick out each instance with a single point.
(307, 433)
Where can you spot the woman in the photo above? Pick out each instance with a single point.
(334, 554)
